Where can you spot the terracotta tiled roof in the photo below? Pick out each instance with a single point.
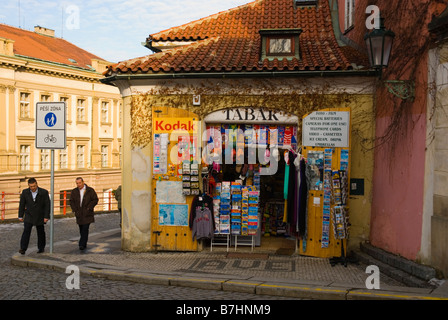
(229, 41)
(36, 46)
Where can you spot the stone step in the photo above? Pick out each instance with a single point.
(392, 272)
(415, 269)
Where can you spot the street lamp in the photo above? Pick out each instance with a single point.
(379, 46)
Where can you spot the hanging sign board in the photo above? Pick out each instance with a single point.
(50, 125)
(326, 129)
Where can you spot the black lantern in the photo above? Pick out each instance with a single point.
(379, 45)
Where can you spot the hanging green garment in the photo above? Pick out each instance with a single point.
(285, 191)
(286, 182)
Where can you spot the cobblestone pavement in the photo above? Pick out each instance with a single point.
(17, 283)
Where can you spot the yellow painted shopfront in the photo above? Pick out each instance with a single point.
(249, 208)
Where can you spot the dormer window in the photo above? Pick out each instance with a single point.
(279, 46)
(280, 43)
(304, 3)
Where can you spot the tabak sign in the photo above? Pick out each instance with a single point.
(250, 115)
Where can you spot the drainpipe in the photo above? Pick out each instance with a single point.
(334, 9)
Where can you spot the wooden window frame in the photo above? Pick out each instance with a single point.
(29, 115)
(268, 46)
(268, 34)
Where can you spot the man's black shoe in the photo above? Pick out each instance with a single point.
(21, 251)
(40, 251)
(82, 248)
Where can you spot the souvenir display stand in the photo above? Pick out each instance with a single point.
(220, 240)
(328, 199)
(235, 214)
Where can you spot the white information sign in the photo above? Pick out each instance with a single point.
(50, 125)
(326, 129)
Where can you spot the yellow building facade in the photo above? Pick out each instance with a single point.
(244, 68)
(38, 67)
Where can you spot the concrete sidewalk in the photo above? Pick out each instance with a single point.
(241, 271)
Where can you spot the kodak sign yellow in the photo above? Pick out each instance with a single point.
(175, 124)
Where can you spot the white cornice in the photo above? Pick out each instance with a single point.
(46, 67)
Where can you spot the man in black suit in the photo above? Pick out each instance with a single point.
(34, 210)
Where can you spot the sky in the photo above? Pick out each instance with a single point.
(111, 29)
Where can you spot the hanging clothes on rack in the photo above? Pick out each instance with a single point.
(292, 189)
(202, 201)
(286, 187)
(303, 198)
(297, 191)
(201, 219)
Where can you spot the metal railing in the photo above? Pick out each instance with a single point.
(9, 204)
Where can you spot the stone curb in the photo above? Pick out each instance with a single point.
(293, 289)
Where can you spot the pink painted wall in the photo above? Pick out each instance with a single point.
(397, 206)
(398, 183)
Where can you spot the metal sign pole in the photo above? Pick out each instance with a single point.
(52, 203)
(51, 134)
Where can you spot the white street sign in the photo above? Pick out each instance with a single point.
(50, 125)
(326, 129)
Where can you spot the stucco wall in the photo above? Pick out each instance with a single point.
(397, 206)
(438, 148)
(137, 171)
(136, 190)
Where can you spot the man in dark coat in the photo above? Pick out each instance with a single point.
(83, 200)
(34, 210)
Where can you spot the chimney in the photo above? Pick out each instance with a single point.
(44, 31)
(100, 66)
(6, 47)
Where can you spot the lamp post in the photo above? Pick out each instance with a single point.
(379, 46)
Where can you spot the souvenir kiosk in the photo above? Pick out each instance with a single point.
(225, 173)
(238, 177)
